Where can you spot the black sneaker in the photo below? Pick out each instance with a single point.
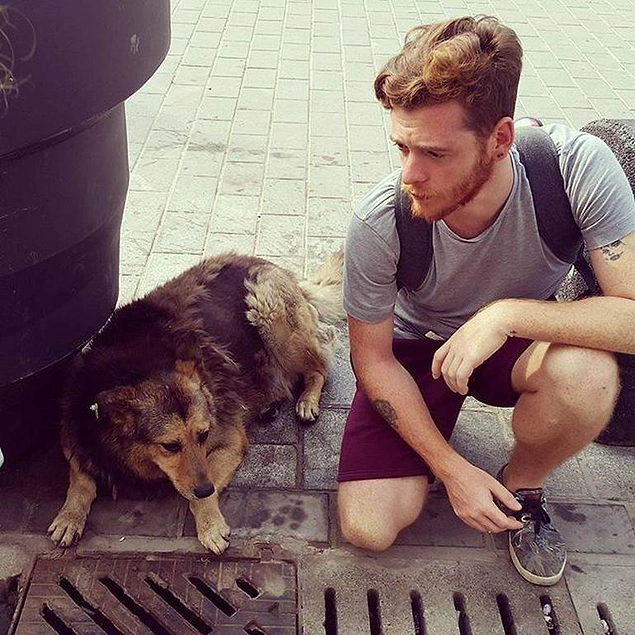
(537, 550)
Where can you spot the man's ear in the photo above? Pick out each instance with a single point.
(502, 137)
(118, 405)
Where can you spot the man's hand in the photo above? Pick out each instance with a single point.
(477, 340)
(472, 493)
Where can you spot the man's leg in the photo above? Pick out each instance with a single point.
(383, 483)
(567, 398)
(372, 512)
(567, 395)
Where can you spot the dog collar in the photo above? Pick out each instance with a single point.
(95, 409)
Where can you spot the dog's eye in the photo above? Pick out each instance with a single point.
(202, 437)
(172, 448)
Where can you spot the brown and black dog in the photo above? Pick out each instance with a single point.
(165, 390)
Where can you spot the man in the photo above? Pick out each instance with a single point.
(481, 323)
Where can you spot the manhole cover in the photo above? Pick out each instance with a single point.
(160, 595)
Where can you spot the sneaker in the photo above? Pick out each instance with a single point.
(537, 550)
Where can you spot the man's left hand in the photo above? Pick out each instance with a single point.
(477, 340)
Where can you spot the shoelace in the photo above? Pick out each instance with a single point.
(532, 511)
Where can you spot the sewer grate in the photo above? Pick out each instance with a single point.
(159, 595)
(391, 596)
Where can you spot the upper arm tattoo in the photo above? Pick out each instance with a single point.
(613, 251)
(385, 409)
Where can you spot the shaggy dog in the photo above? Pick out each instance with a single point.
(165, 390)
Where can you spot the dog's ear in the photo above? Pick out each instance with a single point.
(187, 368)
(118, 405)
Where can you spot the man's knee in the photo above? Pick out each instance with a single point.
(372, 513)
(585, 373)
(360, 533)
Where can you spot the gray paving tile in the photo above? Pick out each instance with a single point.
(274, 515)
(482, 438)
(284, 196)
(247, 148)
(321, 449)
(439, 526)
(182, 234)
(268, 467)
(123, 517)
(242, 178)
(611, 586)
(611, 471)
(594, 528)
(281, 235)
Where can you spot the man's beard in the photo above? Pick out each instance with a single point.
(423, 204)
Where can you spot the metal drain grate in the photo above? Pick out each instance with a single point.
(160, 595)
(358, 595)
(463, 625)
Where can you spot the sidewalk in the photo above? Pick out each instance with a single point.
(257, 133)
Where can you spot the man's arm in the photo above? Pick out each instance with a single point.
(602, 322)
(396, 397)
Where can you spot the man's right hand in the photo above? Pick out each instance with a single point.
(473, 492)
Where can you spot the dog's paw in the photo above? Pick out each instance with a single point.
(67, 528)
(214, 535)
(307, 410)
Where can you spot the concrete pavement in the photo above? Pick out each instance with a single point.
(257, 134)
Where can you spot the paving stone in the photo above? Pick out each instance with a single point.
(273, 515)
(330, 181)
(182, 233)
(611, 471)
(121, 517)
(281, 235)
(192, 194)
(247, 148)
(483, 439)
(283, 429)
(340, 386)
(328, 216)
(594, 528)
(286, 164)
(155, 175)
(321, 449)
(16, 509)
(163, 267)
(329, 151)
(242, 178)
(609, 586)
(284, 196)
(268, 466)
(218, 243)
(439, 526)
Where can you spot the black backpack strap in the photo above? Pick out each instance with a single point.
(556, 224)
(415, 240)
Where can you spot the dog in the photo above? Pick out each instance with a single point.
(164, 392)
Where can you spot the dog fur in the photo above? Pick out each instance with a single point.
(165, 390)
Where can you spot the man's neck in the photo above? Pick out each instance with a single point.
(480, 213)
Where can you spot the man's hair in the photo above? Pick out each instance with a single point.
(473, 60)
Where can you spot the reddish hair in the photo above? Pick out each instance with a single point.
(473, 60)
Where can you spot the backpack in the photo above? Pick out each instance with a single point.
(558, 230)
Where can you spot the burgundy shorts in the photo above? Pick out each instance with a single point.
(372, 449)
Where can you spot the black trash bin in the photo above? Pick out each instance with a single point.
(65, 70)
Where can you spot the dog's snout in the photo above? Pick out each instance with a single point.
(203, 491)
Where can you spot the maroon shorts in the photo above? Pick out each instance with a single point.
(372, 449)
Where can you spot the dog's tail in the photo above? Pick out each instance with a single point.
(324, 288)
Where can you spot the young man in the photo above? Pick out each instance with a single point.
(481, 323)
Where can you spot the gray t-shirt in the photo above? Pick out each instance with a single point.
(507, 260)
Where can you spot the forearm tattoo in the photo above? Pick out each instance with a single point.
(384, 408)
(613, 251)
